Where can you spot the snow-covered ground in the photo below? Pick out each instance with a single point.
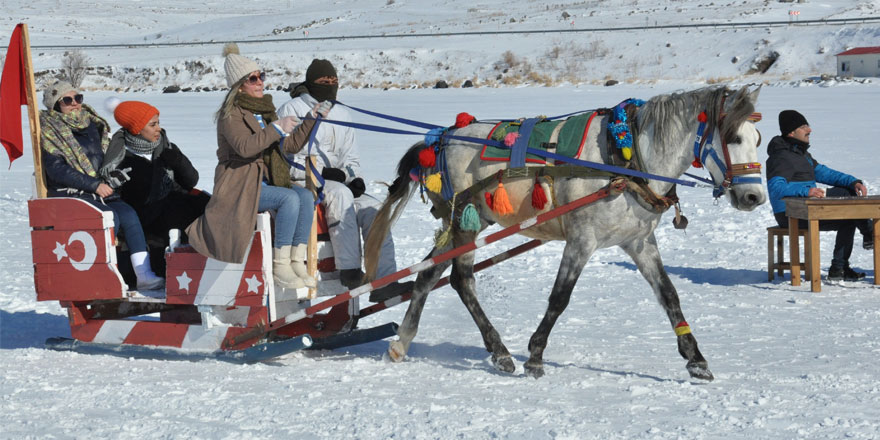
(788, 363)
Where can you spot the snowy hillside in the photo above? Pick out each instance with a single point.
(400, 59)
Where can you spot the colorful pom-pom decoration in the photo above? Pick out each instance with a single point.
(427, 157)
(619, 127)
(433, 135)
(463, 119)
(500, 201)
(696, 163)
(470, 218)
(539, 198)
(510, 138)
(434, 183)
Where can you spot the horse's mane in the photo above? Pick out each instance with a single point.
(665, 111)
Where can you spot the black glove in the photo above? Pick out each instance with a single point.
(357, 187)
(333, 174)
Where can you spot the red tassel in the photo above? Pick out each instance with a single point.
(696, 163)
(427, 158)
(463, 120)
(539, 199)
(501, 203)
(702, 117)
(488, 199)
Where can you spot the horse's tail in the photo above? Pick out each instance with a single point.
(399, 194)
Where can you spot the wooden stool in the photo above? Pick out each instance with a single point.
(779, 264)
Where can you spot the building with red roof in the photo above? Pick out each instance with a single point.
(859, 61)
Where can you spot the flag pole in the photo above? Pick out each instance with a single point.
(33, 115)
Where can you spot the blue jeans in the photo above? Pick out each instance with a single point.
(294, 209)
(125, 222)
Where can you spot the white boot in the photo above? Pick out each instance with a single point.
(146, 279)
(281, 270)
(298, 263)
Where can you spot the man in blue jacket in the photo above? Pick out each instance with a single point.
(792, 172)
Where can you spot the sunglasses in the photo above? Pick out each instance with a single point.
(68, 100)
(254, 78)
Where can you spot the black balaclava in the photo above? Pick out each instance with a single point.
(320, 69)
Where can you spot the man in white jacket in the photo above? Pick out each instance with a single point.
(349, 212)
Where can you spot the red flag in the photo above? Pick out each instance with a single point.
(13, 95)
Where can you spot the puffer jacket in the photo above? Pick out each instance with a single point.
(792, 171)
(152, 180)
(63, 180)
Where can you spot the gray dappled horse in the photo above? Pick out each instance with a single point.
(665, 128)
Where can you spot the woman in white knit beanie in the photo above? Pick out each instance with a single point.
(253, 175)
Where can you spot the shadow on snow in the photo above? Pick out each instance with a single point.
(30, 329)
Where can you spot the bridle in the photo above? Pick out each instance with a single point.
(734, 173)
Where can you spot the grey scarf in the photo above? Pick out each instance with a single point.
(138, 145)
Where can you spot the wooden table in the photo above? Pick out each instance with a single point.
(830, 208)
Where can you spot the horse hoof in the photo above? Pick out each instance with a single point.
(504, 363)
(396, 352)
(700, 370)
(535, 371)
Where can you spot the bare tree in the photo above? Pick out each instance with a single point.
(73, 67)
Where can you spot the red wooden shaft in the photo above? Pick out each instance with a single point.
(453, 253)
(525, 247)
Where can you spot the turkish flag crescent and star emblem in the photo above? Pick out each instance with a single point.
(12, 96)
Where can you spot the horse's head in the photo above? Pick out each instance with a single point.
(732, 158)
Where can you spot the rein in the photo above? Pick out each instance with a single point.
(445, 136)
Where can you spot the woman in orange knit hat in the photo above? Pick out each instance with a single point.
(162, 177)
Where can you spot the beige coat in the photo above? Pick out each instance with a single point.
(224, 231)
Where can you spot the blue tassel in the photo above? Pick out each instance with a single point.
(470, 219)
(433, 135)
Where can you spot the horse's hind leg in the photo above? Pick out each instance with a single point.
(574, 257)
(462, 280)
(647, 258)
(425, 281)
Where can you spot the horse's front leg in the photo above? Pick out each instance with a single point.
(425, 281)
(647, 257)
(574, 257)
(462, 280)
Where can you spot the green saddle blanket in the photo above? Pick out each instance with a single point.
(569, 142)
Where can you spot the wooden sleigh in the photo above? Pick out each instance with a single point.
(207, 309)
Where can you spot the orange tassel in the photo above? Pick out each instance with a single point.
(539, 199)
(500, 201)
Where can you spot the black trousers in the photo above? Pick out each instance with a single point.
(843, 243)
(176, 211)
